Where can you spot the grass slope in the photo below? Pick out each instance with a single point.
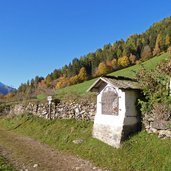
(141, 152)
(128, 72)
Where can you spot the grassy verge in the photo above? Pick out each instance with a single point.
(140, 152)
(4, 166)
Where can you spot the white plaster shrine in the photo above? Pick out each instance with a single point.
(116, 115)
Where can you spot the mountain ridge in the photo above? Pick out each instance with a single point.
(4, 89)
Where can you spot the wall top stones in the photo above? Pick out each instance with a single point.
(83, 110)
(161, 127)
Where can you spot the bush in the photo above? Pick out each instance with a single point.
(155, 85)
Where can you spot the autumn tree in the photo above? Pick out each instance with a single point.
(102, 69)
(62, 82)
(120, 54)
(132, 59)
(114, 64)
(82, 76)
(73, 80)
(9, 95)
(48, 80)
(109, 65)
(157, 48)
(123, 61)
(146, 52)
(168, 40)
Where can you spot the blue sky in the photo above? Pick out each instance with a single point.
(38, 36)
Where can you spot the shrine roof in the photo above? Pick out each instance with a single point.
(120, 82)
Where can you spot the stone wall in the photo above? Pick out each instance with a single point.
(83, 110)
(161, 127)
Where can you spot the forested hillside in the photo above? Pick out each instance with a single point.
(112, 57)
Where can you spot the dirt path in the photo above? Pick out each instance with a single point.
(27, 154)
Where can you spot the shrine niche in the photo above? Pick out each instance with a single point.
(110, 101)
(116, 114)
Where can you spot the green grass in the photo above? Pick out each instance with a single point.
(42, 96)
(128, 72)
(4, 166)
(150, 64)
(78, 89)
(142, 152)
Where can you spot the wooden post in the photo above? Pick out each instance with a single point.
(170, 87)
(49, 98)
(50, 111)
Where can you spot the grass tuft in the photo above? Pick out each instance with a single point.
(4, 166)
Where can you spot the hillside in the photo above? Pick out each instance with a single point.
(127, 72)
(4, 89)
(111, 57)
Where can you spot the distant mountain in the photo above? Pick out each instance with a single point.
(4, 89)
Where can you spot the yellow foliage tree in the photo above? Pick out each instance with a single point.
(73, 80)
(62, 82)
(82, 76)
(168, 40)
(102, 69)
(48, 81)
(123, 61)
(157, 50)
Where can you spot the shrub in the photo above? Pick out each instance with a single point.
(155, 85)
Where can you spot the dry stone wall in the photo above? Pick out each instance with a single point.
(161, 127)
(83, 110)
